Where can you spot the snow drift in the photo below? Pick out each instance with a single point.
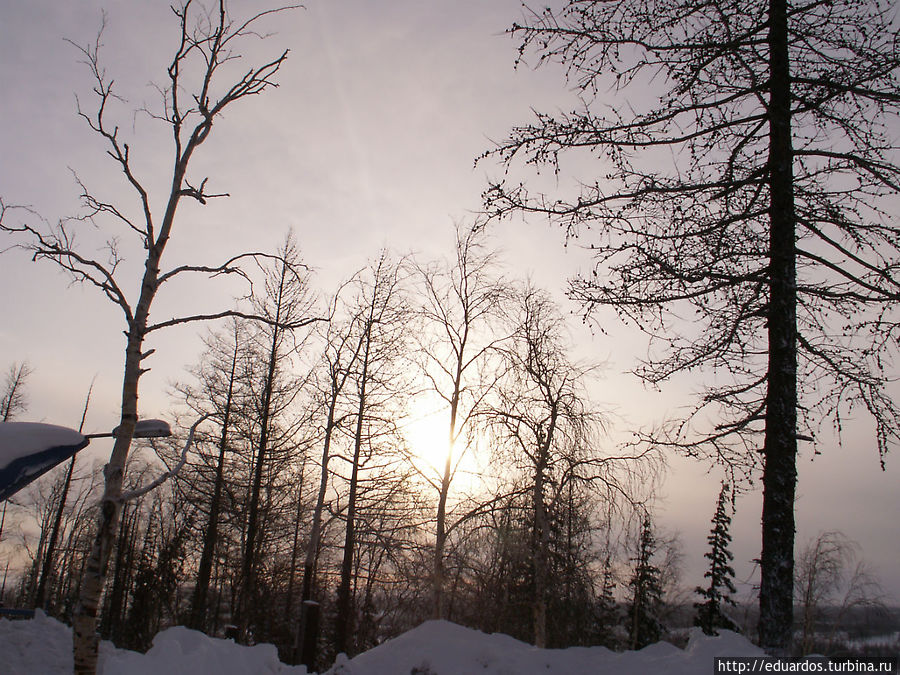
(44, 645)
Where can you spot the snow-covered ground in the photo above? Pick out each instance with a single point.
(43, 645)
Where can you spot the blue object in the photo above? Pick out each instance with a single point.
(28, 450)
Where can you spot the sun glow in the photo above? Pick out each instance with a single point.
(427, 435)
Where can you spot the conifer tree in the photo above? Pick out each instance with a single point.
(14, 400)
(608, 612)
(710, 615)
(644, 626)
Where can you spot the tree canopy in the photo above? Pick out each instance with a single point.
(741, 208)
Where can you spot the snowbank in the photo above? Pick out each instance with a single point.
(179, 650)
(40, 645)
(44, 645)
(443, 648)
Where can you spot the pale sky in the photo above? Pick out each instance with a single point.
(369, 141)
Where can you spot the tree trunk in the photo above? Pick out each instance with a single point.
(312, 547)
(40, 599)
(248, 576)
(115, 598)
(201, 590)
(780, 450)
(344, 623)
(290, 592)
(125, 575)
(440, 539)
(84, 623)
(541, 543)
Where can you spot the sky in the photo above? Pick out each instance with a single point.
(369, 141)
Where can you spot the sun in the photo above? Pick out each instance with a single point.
(427, 435)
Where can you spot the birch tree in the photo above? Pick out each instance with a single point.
(830, 575)
(203, 79)
(547, 428)
(461, 304)
(742, 177)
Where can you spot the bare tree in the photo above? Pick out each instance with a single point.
(14, 400)
(830, 575)
(746, 184)
(202, 84)
(461, 304)
(547, 427)
(41, 597)
(287, 302)
(378, 391)
(342, 348)
(217, 390)
(12, 403)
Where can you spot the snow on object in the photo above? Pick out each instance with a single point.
(44, 645)
(30, 449)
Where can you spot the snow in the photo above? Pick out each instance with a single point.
(182, 650)
(20, 439)
(443, 648)
(43, 645)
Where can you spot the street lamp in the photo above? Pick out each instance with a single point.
(28, 450)
(142, 429)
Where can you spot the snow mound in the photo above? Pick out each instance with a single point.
(39, 645)
(182, 651)
(44, 645)
(443, 648)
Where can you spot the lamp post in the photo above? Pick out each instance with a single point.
(142, 429)
(151, 428)
(30, 449)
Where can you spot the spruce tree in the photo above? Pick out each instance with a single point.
(710, 615)
(644, 626)
(609, 616)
